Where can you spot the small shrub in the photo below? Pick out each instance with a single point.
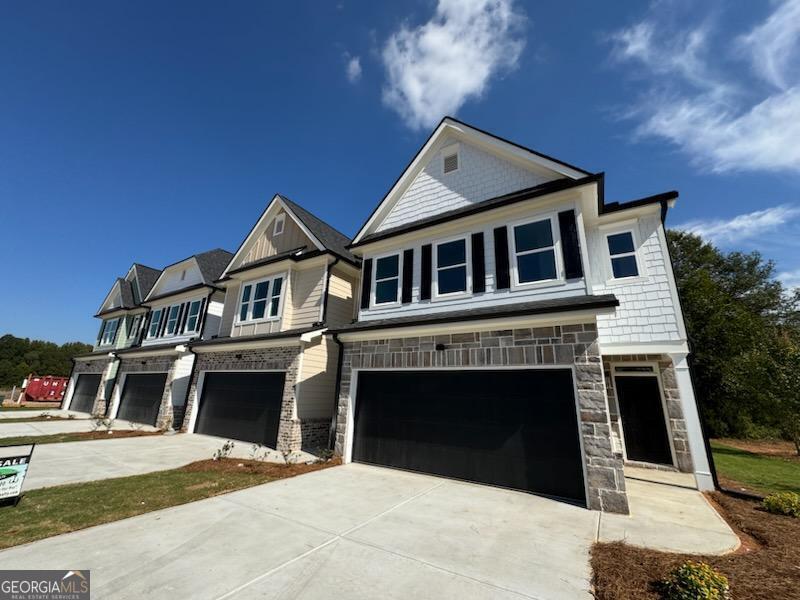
(694, 581)
(783, 503)
(224, 451)
(70, 416)
(324, 455)
(99, 422)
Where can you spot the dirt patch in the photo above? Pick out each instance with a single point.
(115, 433)
(767, 566)
(777, 448)
(258, 467)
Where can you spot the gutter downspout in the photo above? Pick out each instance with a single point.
(335, 418)
(329, 270)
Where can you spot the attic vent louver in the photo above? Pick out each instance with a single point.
(451, 163)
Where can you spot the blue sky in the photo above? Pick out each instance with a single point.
(149, 131)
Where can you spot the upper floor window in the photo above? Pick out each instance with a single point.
(155, 322)
(134, 326)
(260, 300)
(451, 267)
(387, 279)
(192, 317)
(109, 333)
(622, 250)
(172, 319)
(280, 223)
(535, 252)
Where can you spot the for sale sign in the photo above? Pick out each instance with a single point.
(13, 469)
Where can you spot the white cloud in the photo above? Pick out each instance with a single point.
(353, 69)
(742, 227)
(721, 123)
(433, 69)
(790, 279)
(773, 45)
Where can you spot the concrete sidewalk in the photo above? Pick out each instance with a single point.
(28, 414)
(10, 429)
(354, 532)
(72, 462)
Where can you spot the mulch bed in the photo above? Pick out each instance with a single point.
(102, 434)
(766, 566)
(275, 470)
(776, 448)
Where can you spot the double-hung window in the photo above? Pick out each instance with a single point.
(535, 252)
(109, 332)
(134, 326)
(192, 317)
(451, 267)
(155, 322)
(172, 319)
(622, 250)
(387, 279)
(260, 300)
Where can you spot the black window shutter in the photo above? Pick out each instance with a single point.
(570, 245)
(201, 316)
(503, 278)
(162, 326)
(144, 328)
(478, 263)
(366, 283)
(100, 333)
(182, 317)
(426, 274)
(408, 274)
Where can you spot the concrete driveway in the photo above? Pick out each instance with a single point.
(72, 462)
(350, 532)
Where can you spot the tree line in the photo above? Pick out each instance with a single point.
(21, 356)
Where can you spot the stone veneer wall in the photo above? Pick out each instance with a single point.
(677, 424)
(153, 364)
(93, 366)
(566, 345)
(293, 434)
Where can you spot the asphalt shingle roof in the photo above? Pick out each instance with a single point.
(212, 264)
(333, 240)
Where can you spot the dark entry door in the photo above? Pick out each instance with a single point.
(515, 429)
(242, 406)
(141, 397)
(643, 425)
(85, 392)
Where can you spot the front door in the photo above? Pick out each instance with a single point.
(644, 427)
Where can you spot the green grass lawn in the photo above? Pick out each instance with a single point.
(73, 436)
(759, 473)
(51, 511)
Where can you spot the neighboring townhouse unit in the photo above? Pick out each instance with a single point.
(153, 376)
(270, 376)
(516, 329)
(122, 314)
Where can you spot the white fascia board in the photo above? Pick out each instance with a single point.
(169, 269)
(561, 318)
(643, 348)
(145, 352)
(248, 345)
(114, 288)
(312, 335)
(99, 356)
(266, 217)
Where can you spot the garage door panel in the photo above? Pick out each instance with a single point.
(242, 406)
(141, 397)
(511, 428)
(83, 397)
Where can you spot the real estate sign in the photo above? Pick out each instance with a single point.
(12, 473)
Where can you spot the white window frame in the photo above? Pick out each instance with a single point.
(449, 151)
(199, 303)
(279, 220)
(468, 265)
(512, 248)
(374, 290)
(103, 334)
(177, 320)
(611, 257)
(160, 310)
(135, 324)
(253, 283)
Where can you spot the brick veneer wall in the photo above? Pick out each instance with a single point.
(93, 366)
(155, 364)
(293, 434)
(677, 424)
(573, 345)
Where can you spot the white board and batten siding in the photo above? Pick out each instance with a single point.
(268, 244)
(480, 176)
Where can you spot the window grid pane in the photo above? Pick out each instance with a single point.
(536, 266)
(386, 291)
(452, 280)
(620, 243)
(451, 254)
(624, 266)
(388, 266)
(533, 236)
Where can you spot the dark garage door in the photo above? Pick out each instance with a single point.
(242, 406)
(85, 392)
(141, 397)
(515, 429)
